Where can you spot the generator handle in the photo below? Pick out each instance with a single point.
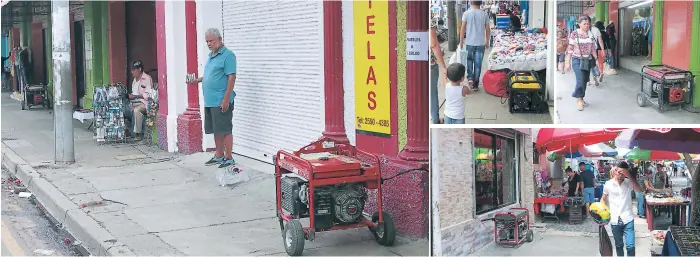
(317, 146)
(664, 74)
(282, 154)
(376, 159)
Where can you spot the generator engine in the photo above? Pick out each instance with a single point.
(506, 224)
(527, 93)
(665, 87)
(333, 205)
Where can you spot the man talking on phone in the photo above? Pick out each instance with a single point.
(217, 88)
(617, 195)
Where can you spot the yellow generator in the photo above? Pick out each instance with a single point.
(526, 93)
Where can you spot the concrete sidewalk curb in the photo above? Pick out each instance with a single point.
(93, 237)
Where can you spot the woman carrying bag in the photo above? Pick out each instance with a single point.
(581, 56)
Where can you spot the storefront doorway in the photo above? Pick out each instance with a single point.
(141, 36)
(79, 44)
(635, 24)
(495, 171)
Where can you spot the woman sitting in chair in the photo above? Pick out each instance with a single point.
(140, 88)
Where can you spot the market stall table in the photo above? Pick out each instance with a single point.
(549, 200)
(519, 51)
(682, 241)
(674, 202)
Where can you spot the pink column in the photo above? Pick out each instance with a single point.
(416, 148)
(333, 76)
(189, 124)
(162, 119)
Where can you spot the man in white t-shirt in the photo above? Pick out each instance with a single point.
(617, 195)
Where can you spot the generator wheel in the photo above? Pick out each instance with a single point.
(641, 99)
(530, 236)
(294, 238)
(384, 233)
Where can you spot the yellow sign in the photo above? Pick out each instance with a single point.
(372, 82)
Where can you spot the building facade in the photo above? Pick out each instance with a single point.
(305, 70)
(476, 173)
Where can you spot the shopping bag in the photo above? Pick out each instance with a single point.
(231, 175)
(456, 57)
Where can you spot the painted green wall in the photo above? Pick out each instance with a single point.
(401, 71)
(657, 41)
(104, 21)
(695, 52)
(599, 10)
(94, 54)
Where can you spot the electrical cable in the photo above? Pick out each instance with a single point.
(402, 173)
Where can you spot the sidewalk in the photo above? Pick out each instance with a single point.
(613, 102)
(158, 203)
(561, 239)
(484, 108)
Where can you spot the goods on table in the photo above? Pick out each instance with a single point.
(659, 235)
(671, 199)
(108, 105)
(518, 51)
(687, 239)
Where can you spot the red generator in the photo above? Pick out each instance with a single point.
(327, 182)
(512, 227)
(665, 87)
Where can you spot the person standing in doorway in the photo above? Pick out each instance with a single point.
(617, 196)
(589, 184)
(612, 42)
(217, 88)
(474, 39)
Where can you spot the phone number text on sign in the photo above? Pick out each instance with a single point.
(372, 83)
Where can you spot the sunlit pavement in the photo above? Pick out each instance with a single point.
(613, 102)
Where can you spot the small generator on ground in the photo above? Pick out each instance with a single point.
(35, 95)
(327, 182)
(575, 206)
(526, 93)
(665, 87)
(512, 227)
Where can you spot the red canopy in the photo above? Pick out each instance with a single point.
(558, 138)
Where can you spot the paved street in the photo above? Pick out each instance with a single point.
(25, 230)
(484, 108)
(561, 239)
(613, 102)
(156, 203)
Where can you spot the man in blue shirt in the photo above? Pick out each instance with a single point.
(589, 185)
(217, 88)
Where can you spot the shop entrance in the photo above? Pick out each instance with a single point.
(79, 43)
(141, 37)
(635, 25)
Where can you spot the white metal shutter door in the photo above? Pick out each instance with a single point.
(279, 81)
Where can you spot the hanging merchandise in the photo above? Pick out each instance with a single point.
(108, 107)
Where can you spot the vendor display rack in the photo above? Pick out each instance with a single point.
(109, 108)
(687, 239)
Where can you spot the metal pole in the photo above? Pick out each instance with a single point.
(452, 34)
(62, 79)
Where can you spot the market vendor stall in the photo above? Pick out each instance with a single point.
(677, 205)
(520, 51)
(682, 241)
(550, 204)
